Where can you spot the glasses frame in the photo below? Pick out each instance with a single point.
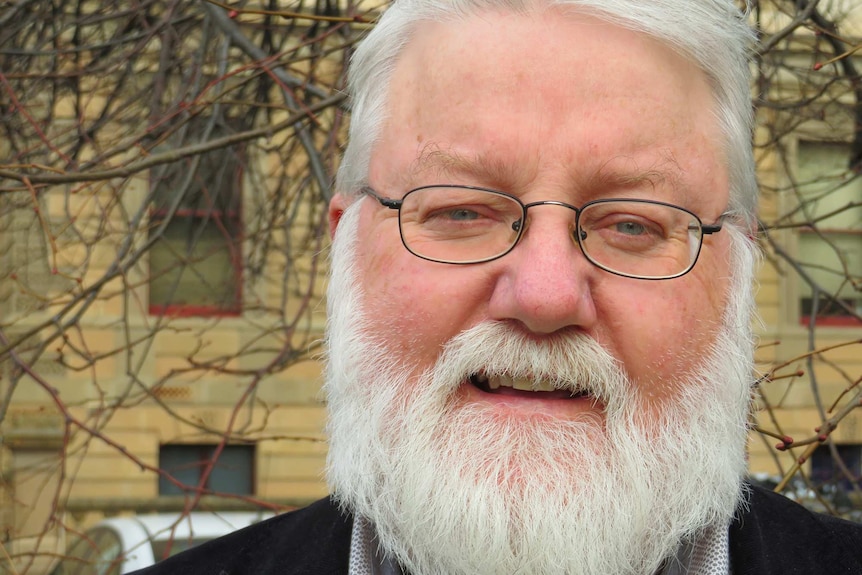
(393, 204)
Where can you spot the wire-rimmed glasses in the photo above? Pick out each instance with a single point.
(455, 224)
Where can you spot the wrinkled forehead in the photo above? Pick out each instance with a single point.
(542, 83)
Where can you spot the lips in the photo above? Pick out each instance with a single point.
(524, 387)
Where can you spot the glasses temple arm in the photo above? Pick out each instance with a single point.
(385, 202)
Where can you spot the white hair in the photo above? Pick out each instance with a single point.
(711, 33)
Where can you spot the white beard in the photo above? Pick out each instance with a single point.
(460, 489)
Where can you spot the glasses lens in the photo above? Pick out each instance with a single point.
(640, 239)
(459, 225)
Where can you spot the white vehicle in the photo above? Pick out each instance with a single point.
(121, 545)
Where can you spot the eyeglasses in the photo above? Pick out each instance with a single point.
(641, 239)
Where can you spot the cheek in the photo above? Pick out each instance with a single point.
(662, 337)
(414, 305)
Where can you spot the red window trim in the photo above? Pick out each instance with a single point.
(838, 319)
(832, 321)
(181, 310)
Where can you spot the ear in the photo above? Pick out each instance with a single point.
(337, 205)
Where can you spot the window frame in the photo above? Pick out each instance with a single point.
(199, 461)
(230, 223)
(235, 308)
(838, 320)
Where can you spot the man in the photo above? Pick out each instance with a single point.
(539, 353)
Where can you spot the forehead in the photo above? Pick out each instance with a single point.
(515, 97)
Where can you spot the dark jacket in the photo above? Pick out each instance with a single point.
(776, 536)
(770, 536)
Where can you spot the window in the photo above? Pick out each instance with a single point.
(830, 237)
(196, 229)
(232, 472)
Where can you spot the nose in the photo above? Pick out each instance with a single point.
(546, 283)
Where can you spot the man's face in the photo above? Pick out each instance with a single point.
(457, 480)
(547, 107)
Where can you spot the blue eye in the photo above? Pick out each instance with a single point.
(630, 228)
(463, 214)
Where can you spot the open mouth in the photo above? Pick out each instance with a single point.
(522, 387)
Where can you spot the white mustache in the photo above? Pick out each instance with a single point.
(566, 361)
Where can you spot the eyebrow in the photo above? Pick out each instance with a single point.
(448, 162)
(663, 173)
(615, 179)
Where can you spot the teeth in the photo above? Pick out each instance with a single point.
(520, 383)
